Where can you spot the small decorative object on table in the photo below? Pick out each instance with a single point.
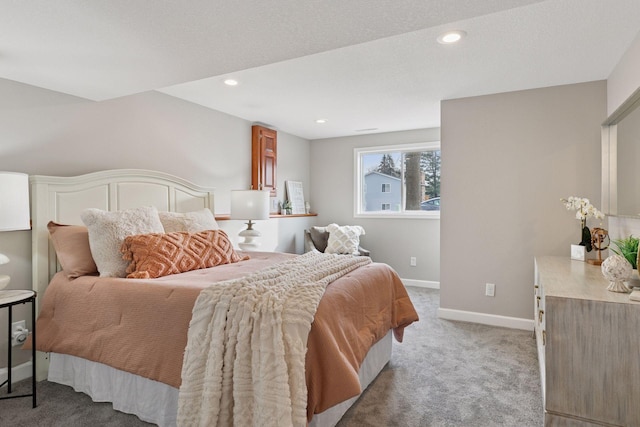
(600, 241)
(616, 269)
(584, 209)
(628, 248)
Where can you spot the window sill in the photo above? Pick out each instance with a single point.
(228, 217)
(399, 215)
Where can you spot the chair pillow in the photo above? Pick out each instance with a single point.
(190, 221)
(344, 239)
(319, 237)
(71, 243)
(157, 255)
(107, 231)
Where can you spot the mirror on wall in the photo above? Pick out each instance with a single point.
(621, 159)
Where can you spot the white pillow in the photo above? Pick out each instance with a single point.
(344, 239)
(192, 222)
(107, 231)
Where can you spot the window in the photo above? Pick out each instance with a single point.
(398, 181)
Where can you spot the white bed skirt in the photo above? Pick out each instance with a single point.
(157, 403)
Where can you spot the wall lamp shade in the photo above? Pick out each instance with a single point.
(249, 205)
(14, 201)
(14, 208)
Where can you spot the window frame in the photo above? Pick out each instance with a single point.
(358, 178)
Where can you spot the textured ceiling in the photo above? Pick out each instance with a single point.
(359, 64)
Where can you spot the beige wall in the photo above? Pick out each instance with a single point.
(507, 159)
(49, 133)
(393, 241)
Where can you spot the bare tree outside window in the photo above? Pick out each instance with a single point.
(413, 182)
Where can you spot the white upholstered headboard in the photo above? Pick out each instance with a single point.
(62, 199)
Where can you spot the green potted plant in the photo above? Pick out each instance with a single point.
(286, 207)
(628, 248)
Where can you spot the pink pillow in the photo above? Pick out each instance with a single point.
(156, 255)
(71, 243)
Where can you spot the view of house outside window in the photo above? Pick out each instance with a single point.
(398, 180)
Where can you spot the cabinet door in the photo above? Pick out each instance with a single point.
(264, 159)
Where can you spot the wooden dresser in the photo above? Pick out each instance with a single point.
(588, 346)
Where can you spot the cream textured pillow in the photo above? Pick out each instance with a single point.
(344, 239)
(107, 231)
(191, 222)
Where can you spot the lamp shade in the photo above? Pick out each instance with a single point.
(250, 204)
(14, 201)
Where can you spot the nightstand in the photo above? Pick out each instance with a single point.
(7, 300)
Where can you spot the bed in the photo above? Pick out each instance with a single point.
(109, 366)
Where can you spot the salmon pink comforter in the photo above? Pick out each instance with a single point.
(140, 325)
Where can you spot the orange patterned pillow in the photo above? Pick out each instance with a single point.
(157, 254)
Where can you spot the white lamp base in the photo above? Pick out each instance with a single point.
(250, 235)
(4, 281)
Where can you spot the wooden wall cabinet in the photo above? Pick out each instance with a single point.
(264, 155)
(588, 346)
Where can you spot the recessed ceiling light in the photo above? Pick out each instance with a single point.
(231, 82)
(321, 121)
(451, 37)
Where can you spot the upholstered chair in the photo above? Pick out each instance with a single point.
(317, 239)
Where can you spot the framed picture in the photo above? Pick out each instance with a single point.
(295, 195)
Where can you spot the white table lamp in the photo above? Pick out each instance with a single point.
(249, 205)
(14, 209)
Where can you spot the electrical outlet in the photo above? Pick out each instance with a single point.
(490, 290)
(19, 333)
(412, 261)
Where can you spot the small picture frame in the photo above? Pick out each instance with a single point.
(578, 252)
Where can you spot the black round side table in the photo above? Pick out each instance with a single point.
(9, 298)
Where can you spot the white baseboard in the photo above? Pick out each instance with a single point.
(421, 283)
(18, 373)
(486, 319)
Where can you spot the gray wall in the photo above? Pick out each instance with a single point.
(625, 77)
(507, 159)
(49, 133)
(392, 241)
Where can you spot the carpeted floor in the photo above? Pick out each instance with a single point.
(444, 374)
(453, 374)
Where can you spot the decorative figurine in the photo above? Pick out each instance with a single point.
(600, 241)
(616, 269)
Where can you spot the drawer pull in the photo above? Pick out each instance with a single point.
(540, 313)
(544, 337)
(538, 301)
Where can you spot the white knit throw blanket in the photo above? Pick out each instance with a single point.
(244, 363)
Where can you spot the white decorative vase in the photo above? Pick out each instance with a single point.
(616, 269)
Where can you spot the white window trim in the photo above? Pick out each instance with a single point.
(420, 146)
